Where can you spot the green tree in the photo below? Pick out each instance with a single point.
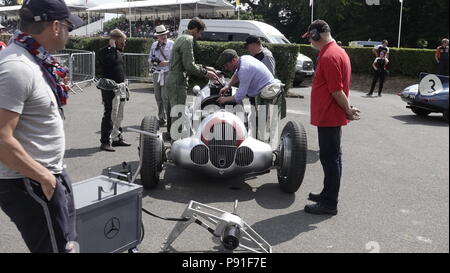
(355, 20)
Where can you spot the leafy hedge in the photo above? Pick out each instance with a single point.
(206, 53)
(133, 45)
(402, 62)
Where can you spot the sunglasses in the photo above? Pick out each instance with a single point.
(69, 26)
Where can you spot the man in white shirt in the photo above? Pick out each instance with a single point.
(377, 50)
(159, 62)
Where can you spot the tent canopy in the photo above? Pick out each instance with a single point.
(161, 6)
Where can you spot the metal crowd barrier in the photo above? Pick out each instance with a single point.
(82, 68)
(137, 67)
(81, 65)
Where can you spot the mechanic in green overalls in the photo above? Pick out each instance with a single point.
(182, 63)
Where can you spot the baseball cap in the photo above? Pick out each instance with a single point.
(48, 10)
(319, 25)
(226, 56)
(252, 39)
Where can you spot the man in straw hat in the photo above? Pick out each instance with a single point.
(158, 59)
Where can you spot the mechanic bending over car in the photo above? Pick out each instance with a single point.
(182, 62)
(256, 82)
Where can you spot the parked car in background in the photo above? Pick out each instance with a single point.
(364, 43)
(429, 96)
(239, 30)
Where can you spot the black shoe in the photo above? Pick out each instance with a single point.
(379, 94)
(369, 94)
(320, 208)
(106, 147)
(120, 142)
(315, 197)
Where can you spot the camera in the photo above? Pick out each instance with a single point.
(154, 64)
(155, 61)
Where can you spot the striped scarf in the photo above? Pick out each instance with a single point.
(55, 73)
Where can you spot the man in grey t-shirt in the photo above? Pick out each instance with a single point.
(35, 192)
(254, 46)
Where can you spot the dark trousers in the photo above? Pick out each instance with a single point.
(443, 67)
(331, 160)
(378, 75)
(45, 226)
(107, 124)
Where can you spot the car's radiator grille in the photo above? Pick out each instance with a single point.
(244, 156)
(222, 146)
(308, 66)
(199, 154)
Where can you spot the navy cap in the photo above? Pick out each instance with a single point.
(48, 10)
(252, 39)
(320, 25)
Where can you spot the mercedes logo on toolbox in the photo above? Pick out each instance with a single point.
(112, 228)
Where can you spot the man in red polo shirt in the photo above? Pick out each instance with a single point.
(330, 109)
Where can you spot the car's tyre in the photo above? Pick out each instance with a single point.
(292, 157)
(420, 112)
(445, 115)
(152, 153)
(296, 83)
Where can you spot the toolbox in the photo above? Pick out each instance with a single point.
(108, 214)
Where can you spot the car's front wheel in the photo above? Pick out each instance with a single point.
(152, 153)
(292, 157)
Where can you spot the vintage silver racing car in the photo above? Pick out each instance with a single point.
(220, 142)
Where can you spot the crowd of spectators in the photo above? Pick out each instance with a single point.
(10, 25)
(144, 28)
(92, 17)
(139, 27)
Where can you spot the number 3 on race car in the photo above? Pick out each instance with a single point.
(429, 85)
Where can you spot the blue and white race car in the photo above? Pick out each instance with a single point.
(429, 96)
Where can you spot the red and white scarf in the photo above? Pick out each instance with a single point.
(56, 74)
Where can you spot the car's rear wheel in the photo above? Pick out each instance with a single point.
(292, 157)
(152, 153)
(420, 112)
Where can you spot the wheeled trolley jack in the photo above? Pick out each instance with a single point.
(231, 229)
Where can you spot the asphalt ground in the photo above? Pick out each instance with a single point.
(394, 193)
